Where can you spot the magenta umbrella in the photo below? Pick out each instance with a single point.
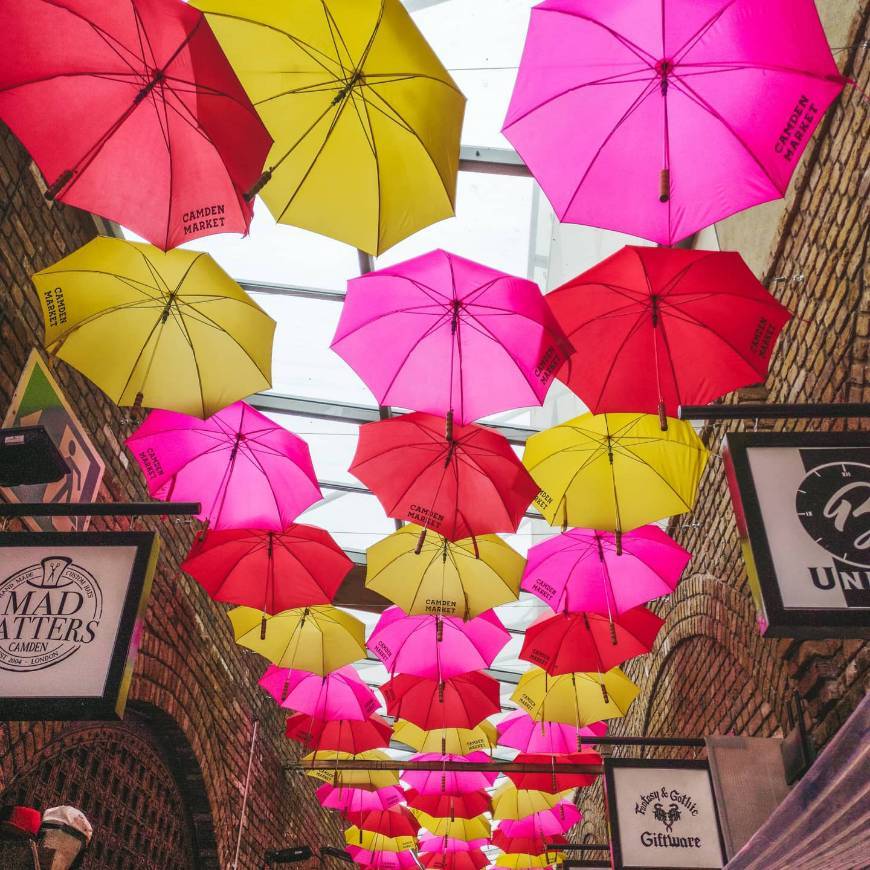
(519, 731)
(444, 335)
(436, 646)
(245, 470)
(381, 860)
(359, 800)
(428, 843)
(556, 820)
(449, 782)
(659, 118)
(579, 570)
(339, 695)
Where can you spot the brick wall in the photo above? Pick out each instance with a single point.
(193, 685)
(710, 672)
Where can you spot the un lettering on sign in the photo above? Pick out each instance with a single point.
(71, 606)
(802, 503)
(662, 814)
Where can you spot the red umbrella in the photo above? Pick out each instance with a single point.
(458, 702)
(571, 642)
(343, 735)
(525, 845)
(665, 327)
(132, 111)
(394, 822)
(468, 483)
(474, 859)
(270, 571)
(443, 806)
(554, 782)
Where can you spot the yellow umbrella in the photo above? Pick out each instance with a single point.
(615, 471)
(575, 699)
(520, 861)
(461, 578)
(477, 828)
(510, 802)
(317, 639)
(165, 330)
(447, 741)
(371, 779)
(372, 841)
(365, 119)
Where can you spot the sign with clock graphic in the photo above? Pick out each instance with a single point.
(802, 501)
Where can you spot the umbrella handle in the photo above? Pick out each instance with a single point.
(613, 633)
(664, 185)
(604, 692)
(448, 425)
(420, 541)
(617, 535)
(263, 626)
(62, 181)
(261, 182)
(663, 417)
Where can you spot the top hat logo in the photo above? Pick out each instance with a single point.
(53, 568)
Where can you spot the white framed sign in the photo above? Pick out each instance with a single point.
(802, 502)
(71, 606)
(662, 815)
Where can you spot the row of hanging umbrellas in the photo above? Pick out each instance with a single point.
(170, 117)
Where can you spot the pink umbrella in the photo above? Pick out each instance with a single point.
(427, 646)
(450, 782)
(658, 119)
(519, 731)
(428, 843)
(381, 860)
(339, 695)
(442, 334)
(556, 820)
(580, 571)
(246, 471)
(359, 800)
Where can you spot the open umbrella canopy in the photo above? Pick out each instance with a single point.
(398, 819)
(394, 822)
(382, 859)
(371, 779)
(555, 782)
(569, 642)
(473, 859)
(456, 741)
(345, 735)
(615, 471)
(519, 731)
(450, 806)
(470, 483)
(428, 843)
(366, 120)
(527, 845)
(456, 702)
(521, 861)
(452, 578)
(131, 111)
(510, 802)
(436, 646)
(449, 782)
(453, 337)
(349, 799)
(579, 570)
(575, 699)
(658, 119)
(317, 639)
(669, 327)
(245, 470)
(547, 823)
(159, 330)
(273, 571)
(455, 829)
(340, 694)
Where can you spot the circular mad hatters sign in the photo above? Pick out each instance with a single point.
(48, 611)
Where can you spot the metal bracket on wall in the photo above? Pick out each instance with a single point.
(765, 411)
(102, 509)
(798, 752)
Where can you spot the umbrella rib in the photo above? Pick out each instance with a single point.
(141, 33)
(431, 330)
(635, 49)
(682, 87)
(330, 24)
(696, 37)
(641, 97)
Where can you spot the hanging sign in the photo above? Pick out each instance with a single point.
(802, 502)
(71, 606)
(662, 814)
